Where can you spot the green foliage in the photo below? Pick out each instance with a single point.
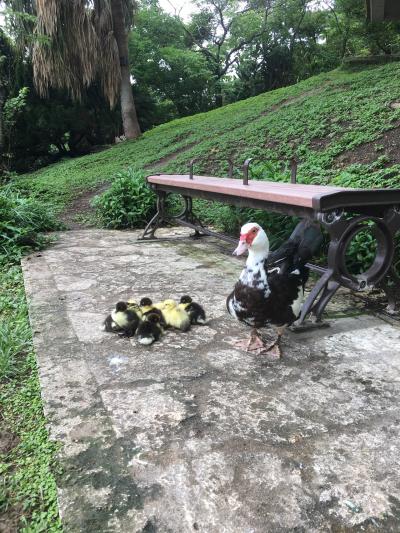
(172, 80)
(316, 120)
(13, 108)
(230, 219)
(227, 51)
(21, 222)
(43, 131)
(128, 203)
(27, 471)
(362, 251)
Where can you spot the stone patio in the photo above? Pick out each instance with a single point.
(191, 434)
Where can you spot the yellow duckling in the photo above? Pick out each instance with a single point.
(173, 315)
(134, 306)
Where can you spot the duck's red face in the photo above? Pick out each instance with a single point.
(247, 235)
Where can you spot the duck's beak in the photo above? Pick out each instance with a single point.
(241, 247)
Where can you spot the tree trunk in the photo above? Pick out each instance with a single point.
(219, 100)
(128, 111)
(2, 98)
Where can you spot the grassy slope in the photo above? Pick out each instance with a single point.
(317, 119)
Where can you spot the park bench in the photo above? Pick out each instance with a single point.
(343, 212)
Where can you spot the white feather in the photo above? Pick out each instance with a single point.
(231, 306)
(298, 302)
(146, 340)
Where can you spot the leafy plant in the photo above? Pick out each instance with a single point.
(21, 222)
(128, 203)
(14, 107)
(362, 250)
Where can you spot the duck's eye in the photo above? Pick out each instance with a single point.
(254, 230)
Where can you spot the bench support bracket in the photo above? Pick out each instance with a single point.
(186, 217)
(342, 229)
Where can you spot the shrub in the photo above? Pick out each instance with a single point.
(128, 203)
(22, 220)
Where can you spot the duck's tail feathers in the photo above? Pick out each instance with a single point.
(308, 237)
(302, 245)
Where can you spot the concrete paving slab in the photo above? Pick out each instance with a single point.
(192, 434)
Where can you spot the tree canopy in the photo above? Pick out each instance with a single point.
(68, 57)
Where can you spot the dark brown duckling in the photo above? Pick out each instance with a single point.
(150, 330)
(195, 311)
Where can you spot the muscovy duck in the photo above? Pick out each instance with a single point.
(270, 289)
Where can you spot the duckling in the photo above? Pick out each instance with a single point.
(150, 330)
(196, 313)
(174, 316)
(122, 320)
(146, 307)
(134, 306)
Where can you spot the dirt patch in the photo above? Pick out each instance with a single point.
(387, 145)
(8, 441)
(171, 157)
(9, 516)
(10, 519)
(81, 206)
(319, 143)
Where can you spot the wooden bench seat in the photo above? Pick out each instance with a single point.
(318, 198)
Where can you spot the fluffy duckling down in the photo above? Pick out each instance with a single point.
(147, 307)
(122, 320)
(195, 311)
(174, 316)
(150, 330)
(134, 306)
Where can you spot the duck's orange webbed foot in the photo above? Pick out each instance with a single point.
(255, 343)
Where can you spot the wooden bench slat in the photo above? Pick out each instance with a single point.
(316, 197)
(296, 194)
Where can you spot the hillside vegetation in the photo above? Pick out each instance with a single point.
(342, 126)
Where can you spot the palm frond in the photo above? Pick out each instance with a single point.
(76, 46)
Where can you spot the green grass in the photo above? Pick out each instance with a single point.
(27, 483)
(28, 500)
(342, 109)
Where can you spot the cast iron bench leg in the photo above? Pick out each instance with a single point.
(186, 217)
(308, 305)
(157, 220)
(391, 286)
(342, 230)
